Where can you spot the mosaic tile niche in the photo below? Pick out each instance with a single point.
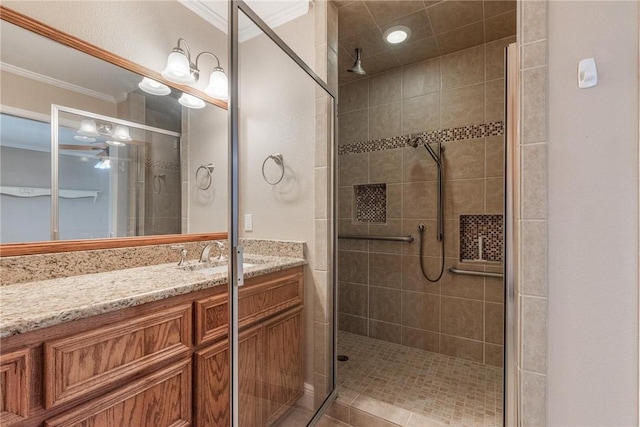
(371, 203)
(488, 227)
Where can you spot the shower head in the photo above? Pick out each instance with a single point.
(357, 66)
(414, 142)
(436, 156)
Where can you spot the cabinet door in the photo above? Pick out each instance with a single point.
(162, 399)
(283, 362)
(14, 387)
(212, 378)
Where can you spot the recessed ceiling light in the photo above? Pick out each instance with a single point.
(397, 34)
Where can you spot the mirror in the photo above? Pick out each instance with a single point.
(86, 153)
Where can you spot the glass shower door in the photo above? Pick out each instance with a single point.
(281, 231)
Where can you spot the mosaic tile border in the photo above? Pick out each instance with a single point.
(161, 164)
(443, 135)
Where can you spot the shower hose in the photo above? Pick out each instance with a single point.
(421, 229)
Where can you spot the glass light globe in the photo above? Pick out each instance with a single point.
(218, 84)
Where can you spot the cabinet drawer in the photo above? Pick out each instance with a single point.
(14, 387)
(82, 363)
(162, 399)
(269, 295)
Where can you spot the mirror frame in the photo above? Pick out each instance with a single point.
(57, 246)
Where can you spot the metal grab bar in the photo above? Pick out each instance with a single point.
(408, 239)
(454, 270)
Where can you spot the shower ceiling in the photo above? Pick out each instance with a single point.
(438, 28)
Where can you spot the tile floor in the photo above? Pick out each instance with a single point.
(443, 389)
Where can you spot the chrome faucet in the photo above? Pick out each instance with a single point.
(183, 254)
(204, 256)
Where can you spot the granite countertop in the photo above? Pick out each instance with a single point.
(33, 305)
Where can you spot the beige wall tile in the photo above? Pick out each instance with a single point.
(386, 11)
(418, 50)
(320, 244)
(494, 355)
(463, 106)
(455, 285)
(353, 267)
(354, 127)
(385, 120)
(418, 166)
(321, 202)
(332, 26)
(500, 26)
(463, 68)
(412, 278)
(320, 354)
(494, 101)
(353, 169)
(418, 338)
(534, 334)
(385, 270)
(354, 18)
(431, 246)
(394, 201)
(446, 16)
(421, 78)
(421, 113)
(321, 65)
(494, 323)
(353, 324)
(494, 290)
(494, 58)
(345, 202)
(534, 181)
(421, 311)
(534, 270)
(385, 87)
(462, 318)
(461, 38)
(534, 21)
(354, 299)
(497, 7)
(463, 197)
(420, 421)
(418, 200)
(385, 166)
(464, 159)
(354, 96)
(494, 203)
(460, 347)
(534, 398)
(322, 137)
(347, 226)
(385, 304)
(390, 332)
(494, 156)
(534, 54)
(534, 102)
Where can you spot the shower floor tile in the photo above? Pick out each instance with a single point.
(446, 389)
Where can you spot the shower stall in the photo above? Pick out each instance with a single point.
(421, 298)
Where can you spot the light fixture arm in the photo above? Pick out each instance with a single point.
(208, 53)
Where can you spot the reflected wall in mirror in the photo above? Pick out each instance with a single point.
(147, 186)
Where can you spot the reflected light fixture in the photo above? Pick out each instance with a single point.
(89, 131)
(180, 69)
(154, 87)
(191, 101)
(103, 164)
(397, 34)
(116, 143)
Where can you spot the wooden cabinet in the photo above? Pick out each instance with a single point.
(144, 365)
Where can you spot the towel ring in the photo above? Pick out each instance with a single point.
(209, 170)
(279, 160)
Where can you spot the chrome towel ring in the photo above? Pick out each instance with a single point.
(209, 177)
(279, 160)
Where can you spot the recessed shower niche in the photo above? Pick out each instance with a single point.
(371, 202)
(481, 238)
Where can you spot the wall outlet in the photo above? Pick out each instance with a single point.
(248, 222)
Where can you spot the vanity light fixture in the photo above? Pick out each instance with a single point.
(154, 87)
(180, 69)
(116, 143)
(191, 101)
(121, 133)
(88, 128)
(397, 34)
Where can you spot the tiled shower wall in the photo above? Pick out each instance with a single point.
(382, 291)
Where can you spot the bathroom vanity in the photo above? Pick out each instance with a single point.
(150, 348)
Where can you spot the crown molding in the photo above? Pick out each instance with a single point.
(55, 82)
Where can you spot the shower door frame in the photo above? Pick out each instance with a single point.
(235, 253)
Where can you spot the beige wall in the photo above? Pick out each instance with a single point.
(382, 291)
(593, 216)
